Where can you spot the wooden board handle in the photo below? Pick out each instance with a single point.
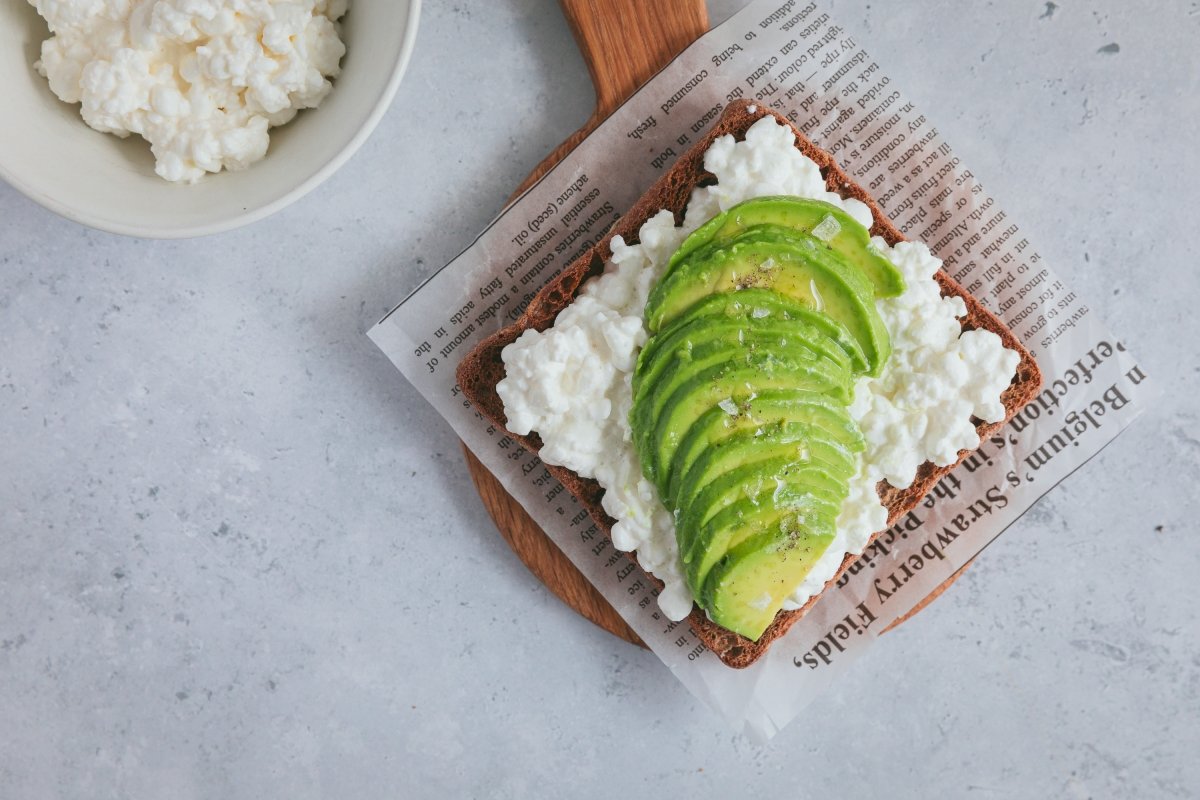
(625, 42)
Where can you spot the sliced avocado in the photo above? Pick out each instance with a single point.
(840, 232)
(758, 307)
(782, 511)
(787, 467)
(668, 417)
(740, 414)
(763, 304)
(748, 585)
(770, 408)
(689, 348)
(802, 442)
(732, 367)
(751, 480)
(799, 267)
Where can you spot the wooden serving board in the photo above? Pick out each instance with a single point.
(624, 43)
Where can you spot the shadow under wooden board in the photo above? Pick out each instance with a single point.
(623, 43)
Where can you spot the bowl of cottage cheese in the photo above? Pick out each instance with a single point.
(180, 118)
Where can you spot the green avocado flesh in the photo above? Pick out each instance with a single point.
(769, 411)
(667, 414)
(754, 306)
(797, 266)
(760, 325)
(834, 226)
(748, 585)
(800, 443)
(782, 512)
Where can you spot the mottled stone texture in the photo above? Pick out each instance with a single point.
(241, 558)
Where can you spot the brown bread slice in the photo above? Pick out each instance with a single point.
(482, 368)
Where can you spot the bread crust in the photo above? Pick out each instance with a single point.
(482, 369)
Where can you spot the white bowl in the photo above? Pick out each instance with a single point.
(50, 154)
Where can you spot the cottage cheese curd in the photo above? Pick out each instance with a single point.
(201, 80)
(572, 383)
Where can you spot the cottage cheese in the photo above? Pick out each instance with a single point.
(201, 80)
(572, 383)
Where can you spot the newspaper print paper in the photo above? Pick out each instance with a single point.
(792, 57)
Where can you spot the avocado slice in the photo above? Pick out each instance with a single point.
(666, 415)
(751, 304)
(805, 443)
(690, 347)
(781, 511)
(840, 232)
(799, 267)
(751, 480)
(728, 367)
(748, 585)
(767, 409)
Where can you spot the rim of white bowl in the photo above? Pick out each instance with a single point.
(319, 176)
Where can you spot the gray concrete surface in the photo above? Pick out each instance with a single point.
(241, 558)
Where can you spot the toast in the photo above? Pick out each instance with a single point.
(482, 369)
